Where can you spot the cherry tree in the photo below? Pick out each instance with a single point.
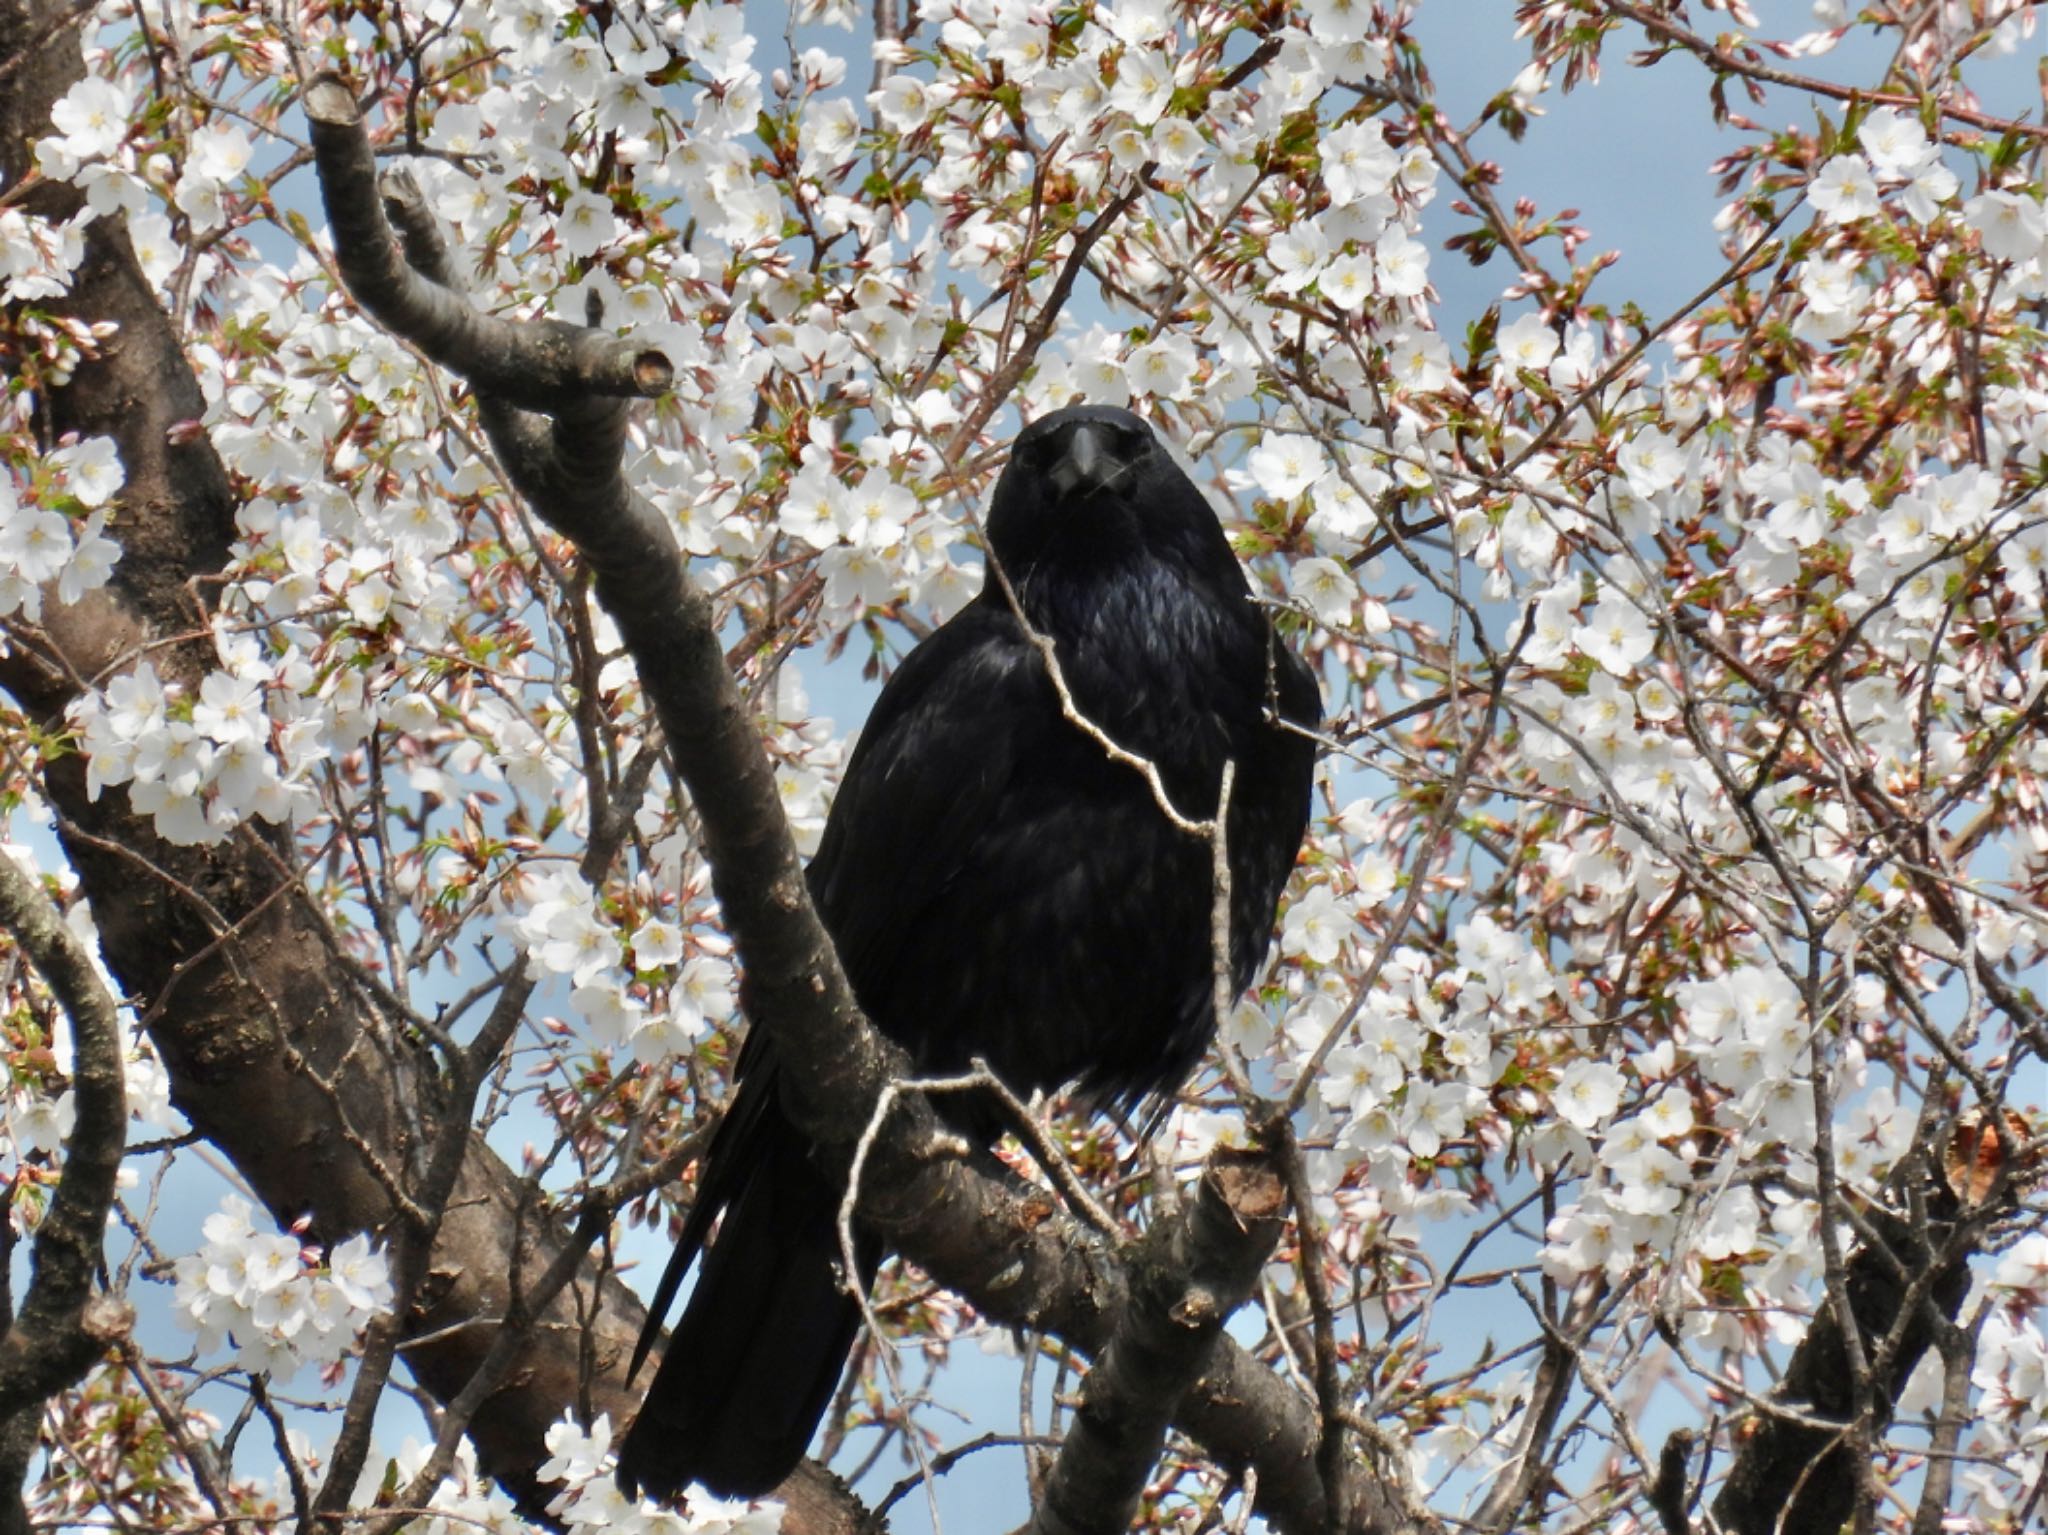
(446, 450)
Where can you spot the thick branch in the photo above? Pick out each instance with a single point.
(52, 1341)
(1186, 1278)
(540, 365)
(1796, 1474)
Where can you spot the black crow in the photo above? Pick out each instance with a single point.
(998, 886)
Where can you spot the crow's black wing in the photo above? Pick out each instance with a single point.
(932, 777)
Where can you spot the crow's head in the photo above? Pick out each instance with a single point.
(1083, 450)
(1089, 489)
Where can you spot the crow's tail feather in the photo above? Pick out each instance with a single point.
(753, 1360)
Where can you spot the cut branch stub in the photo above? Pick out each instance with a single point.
(536, 365)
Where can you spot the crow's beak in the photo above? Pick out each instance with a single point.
(1090, 461)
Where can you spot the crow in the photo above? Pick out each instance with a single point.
(998, 886)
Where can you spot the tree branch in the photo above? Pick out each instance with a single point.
(61, 1328)
(1796, 1474)
(537, 365)
(1187, 1276)
(1716, 57)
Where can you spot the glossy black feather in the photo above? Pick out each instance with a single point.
(997, 886)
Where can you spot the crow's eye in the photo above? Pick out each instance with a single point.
(1035, 454)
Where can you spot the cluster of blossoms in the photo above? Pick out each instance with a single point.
(41, 542)
(558, 923)
(40, 1111)
(202, 766)
(275, 1299)
(1409, 1073)
(37, 257)
(580, 1461)
(466, 1500)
